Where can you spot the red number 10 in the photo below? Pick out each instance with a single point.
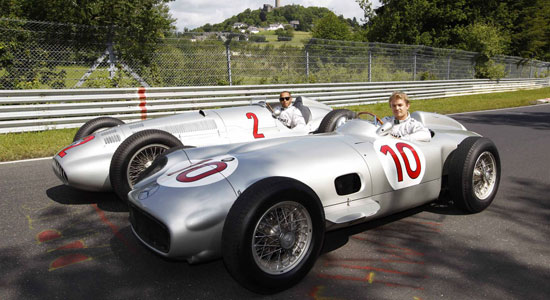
(400, 146)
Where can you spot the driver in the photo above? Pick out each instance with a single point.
(290, 115)
(405, 127)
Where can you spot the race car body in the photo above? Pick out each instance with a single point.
(264, 207)
(126, 149)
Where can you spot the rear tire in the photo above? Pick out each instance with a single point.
(275, 215)
(335, 119)
(95, 125)
(135, 155)
(474, 174)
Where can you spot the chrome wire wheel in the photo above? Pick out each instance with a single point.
(282, 237)
(141, 160)
(485, 175)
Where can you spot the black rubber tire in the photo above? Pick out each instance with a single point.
(94, 125)
(461, 172)
(329, 122)
(127, 149)
(240, 224)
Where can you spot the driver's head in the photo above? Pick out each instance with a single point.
(399, 104)
(285, 99)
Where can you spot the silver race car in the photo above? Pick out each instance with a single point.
(109, 155)
(265, 206)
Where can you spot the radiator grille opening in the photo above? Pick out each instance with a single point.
(149, 229)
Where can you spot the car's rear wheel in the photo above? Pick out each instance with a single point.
(96, 125)
(474, 174)
(335, 119)
(273, 235)
(136, 154)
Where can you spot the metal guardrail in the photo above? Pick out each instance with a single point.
(36, 110)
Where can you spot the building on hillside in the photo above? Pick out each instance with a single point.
(295, 23)
(277, 3)
(268, 8)
(275, 26)
(253, 29)
(239, 25)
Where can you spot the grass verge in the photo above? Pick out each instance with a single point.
(17, 146)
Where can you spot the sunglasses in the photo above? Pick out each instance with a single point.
(284, 98)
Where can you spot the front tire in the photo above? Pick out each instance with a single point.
(135, 155)
(474, 174)
(95, 125)
(335, 119)
(273, 235)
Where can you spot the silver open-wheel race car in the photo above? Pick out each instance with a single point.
(107, 154)
(265, 207)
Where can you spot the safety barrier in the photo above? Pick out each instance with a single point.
(36, 110)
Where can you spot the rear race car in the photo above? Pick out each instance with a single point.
(109, 155)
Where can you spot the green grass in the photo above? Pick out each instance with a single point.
(16, 146)
(297, 40)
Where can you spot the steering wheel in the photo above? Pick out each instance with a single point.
(370, 114)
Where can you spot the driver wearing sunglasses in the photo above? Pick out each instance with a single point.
(290, 115)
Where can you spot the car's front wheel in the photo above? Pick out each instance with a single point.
(136, 154)
(273, 235)
(474, 174)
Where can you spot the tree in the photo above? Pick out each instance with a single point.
(331, 27)
(488, 41)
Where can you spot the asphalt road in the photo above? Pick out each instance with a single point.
(60, 243)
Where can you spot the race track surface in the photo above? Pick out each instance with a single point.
(62, 243)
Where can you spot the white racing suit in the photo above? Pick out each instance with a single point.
(292, 117)
(409, 129)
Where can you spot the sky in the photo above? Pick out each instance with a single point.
(195, 13)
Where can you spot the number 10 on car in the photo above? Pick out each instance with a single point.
(403, 163)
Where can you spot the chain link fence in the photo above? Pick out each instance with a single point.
(40, 55)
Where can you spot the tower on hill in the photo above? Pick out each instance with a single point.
(277, 3)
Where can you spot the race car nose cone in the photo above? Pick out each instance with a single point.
(287, 240)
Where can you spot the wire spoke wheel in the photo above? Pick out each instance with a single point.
(142, 159)
(282, 237)
(485, 175)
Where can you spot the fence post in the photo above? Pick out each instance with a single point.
(370, 66)
(307, 64)
(228, 55)
(449, 67)
(414, 67)
(531, 70)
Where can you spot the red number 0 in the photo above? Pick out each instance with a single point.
(183, 176)
(255, 130)
(400, 146)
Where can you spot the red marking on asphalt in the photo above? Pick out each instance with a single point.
(368, 278)
(314, 292)
(48, 235)
(74, 245)
(354, 267)
(377, 260)
(393, 284)
(69, 259)
(405, 251)
(114, 228)
(142, 103)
